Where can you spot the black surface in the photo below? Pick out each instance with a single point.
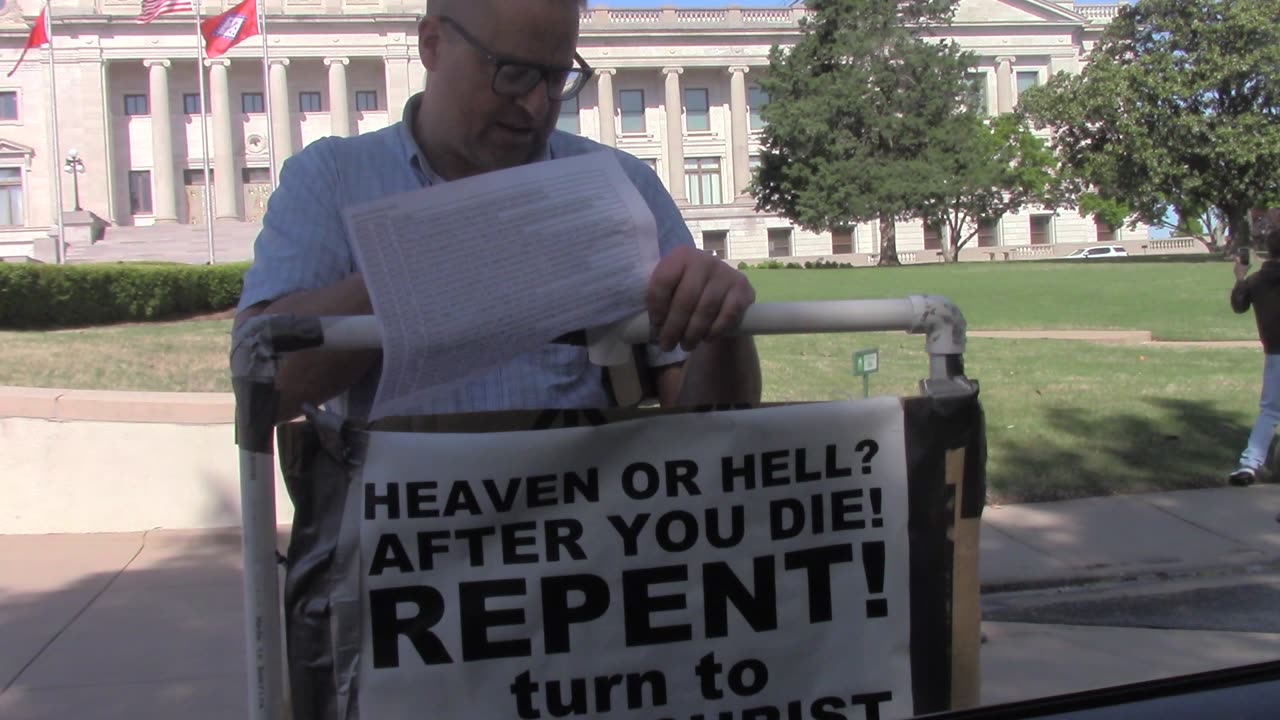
(1240, 605)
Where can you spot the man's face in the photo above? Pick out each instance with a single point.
(481, 130)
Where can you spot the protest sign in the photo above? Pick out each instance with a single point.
(741, 564)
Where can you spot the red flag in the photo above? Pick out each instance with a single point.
(229, 29)
(39, 36)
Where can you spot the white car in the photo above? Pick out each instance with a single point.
(1093, 253)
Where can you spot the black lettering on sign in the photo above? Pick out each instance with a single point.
(559, 614)
(373, 500)
(461, 500)
(758, 606)
(629, 532)
(387, 624)
(475, 542)
(748, 677)
(581, 701)
(817, 563)
(870, 702)
(389, 553)
(477, 619)
(516, 536)
(639, 606)
(421, 499)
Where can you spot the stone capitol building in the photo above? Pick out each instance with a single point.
(674, 87)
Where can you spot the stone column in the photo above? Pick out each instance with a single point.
(339, 105)
(281, 112)
(1004, 84)
(396, 71)
(226, 171)
(675, 134)
(604, 102)
(739, 123)
(164, 189)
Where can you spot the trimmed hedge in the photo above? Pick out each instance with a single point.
(52, 296)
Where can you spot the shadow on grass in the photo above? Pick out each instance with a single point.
(1171, 444)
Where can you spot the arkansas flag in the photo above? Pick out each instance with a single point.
(39, 36)
(229, 29)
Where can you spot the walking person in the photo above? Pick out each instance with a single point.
(1261, 291)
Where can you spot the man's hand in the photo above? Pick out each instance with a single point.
(694, 297)
(1241, 270)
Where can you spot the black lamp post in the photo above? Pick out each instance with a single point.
(74, 166)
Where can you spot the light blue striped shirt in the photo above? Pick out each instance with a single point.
(303, 245)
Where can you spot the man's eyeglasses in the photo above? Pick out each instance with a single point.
(514, 78)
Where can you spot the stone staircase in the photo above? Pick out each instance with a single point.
(232, 242)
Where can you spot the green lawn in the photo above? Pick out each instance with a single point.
(1065, 419)
(1178, 298)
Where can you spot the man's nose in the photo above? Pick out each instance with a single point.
(535, 102)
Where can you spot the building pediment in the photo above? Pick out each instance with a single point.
(11, 148)
(1021, 12)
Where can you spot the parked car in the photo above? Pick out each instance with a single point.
(1093, 253)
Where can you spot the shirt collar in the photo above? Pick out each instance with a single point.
(413, 154)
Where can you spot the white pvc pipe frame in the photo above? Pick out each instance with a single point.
(934, 316)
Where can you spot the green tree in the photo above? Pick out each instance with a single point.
(1177, 109)
(986, 169)
(852, 109)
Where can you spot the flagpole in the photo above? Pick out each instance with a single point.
(266, 83)
(204, 134)
(56, 159)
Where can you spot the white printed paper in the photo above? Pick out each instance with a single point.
(745, 564)
(468, 274)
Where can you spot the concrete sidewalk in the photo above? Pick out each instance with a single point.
(143, 625)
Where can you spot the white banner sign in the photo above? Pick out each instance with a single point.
(746, 564)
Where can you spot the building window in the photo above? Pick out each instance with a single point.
(1105, 232)
(192, 178)
(136, 105)
(697, 110)
(841, 242)
(1027, 79)
(756, 98)
(140, 192)
(366, 101)
(569, 121)
(11, 197)
(988, 233)
(9, 105)
(308, 102)
(632, 104)
(779, 242)
(753, 162)
(932, 237)
(251, 102)
(191, 103)
(716, 242)
(255, 175)
(976, 97)
(1041, 229)
(702, 180)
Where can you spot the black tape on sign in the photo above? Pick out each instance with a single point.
(930, 433)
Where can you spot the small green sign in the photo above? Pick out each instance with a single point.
(866, 362)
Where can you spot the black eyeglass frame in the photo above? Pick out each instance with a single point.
(544, 72)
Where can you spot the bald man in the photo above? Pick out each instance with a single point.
(499, 71)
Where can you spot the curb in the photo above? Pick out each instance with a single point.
(1182, 572)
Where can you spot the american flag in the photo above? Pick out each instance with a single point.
(152, 9)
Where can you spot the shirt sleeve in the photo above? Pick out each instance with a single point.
(673, 232)
(303, 242)
(1241, 295)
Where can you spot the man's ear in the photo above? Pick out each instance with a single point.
(429, 42)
